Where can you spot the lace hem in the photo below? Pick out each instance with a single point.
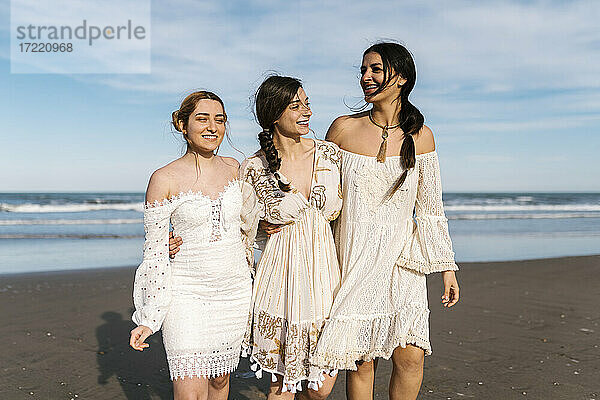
(426, 267)
(202, 365)
(346, 340)
(429, 248)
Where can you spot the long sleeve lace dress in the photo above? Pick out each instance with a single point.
(385, 247)
(202, 297)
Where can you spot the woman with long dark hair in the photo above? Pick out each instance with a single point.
(391, 233)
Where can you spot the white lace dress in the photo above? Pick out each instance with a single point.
(384, 254)
(298, 272)
(202, 297)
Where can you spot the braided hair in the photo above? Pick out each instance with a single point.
(271, 100)
(397, 61)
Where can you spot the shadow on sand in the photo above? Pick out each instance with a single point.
(145, 375)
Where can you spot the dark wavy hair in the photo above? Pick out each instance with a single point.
(397, 61)
(271, 99)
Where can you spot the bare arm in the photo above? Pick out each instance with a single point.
(158, 187)
(337, 129)
(424, 142)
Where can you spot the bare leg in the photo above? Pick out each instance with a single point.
(375, 362)
(190, 388)
(275, 392)
(218, 388)
(359, 383)
(322, 393)
(407, 373)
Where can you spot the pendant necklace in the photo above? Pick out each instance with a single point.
(384, 136)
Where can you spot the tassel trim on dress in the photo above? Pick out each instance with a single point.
(290, 386)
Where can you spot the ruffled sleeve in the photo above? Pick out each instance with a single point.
(250, 216)
(250, 180)
(152, 288)
(429, 248)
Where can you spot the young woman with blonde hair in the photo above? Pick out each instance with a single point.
(201, 299)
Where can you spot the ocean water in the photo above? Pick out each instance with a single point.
(60, 231)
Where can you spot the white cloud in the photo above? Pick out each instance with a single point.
(496, 44)
(485, 47)
(486, 69)
(463, 49)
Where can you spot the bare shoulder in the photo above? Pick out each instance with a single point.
(424, 141)
(342, 125)
(231, 163)
(159, 186)
(230, 166)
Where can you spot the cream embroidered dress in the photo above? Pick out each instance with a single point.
(202, 297)
(384, 253)
(298, 274)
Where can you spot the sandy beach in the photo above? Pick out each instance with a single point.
(523, 329)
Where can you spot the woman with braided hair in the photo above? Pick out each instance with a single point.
(391, 233)
(297, 183)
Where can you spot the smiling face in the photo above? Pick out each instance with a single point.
(373, 79)
(206, 126)
(294, 120)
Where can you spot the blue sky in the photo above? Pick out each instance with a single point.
(511, 90)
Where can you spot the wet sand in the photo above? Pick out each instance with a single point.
(523, 329)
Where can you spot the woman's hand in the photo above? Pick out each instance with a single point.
(269, 228)
(450, 296)
(174, 243)
(138, 335)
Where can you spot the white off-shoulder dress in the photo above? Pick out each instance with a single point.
(202, 297)
(298, 274)
(385, 248)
